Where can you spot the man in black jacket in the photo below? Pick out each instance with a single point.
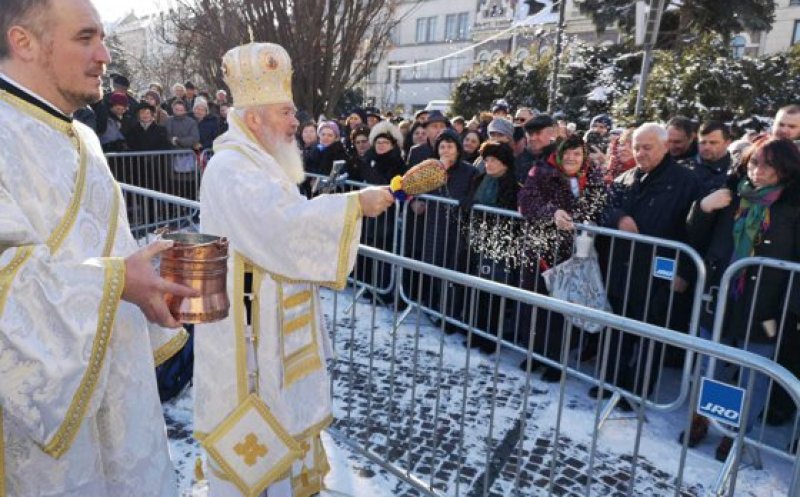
(651, 199)
(713, 161)
(541, 134)
(434, 125)
(146, 135)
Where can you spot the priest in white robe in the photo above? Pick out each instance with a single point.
(262, 391)
(79, 408)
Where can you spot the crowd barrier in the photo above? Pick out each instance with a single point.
(462, 423)
(454, 423)
(175, 172)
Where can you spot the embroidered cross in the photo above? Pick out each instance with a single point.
(250, 449)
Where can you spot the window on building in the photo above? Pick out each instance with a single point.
(483, 59)
(426, 29)
(794, 2)
(456, 26)
(796, 34)
(737, 47)
(453, 67)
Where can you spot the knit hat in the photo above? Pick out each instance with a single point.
(602, 119)
(502, 126)
(117, 99)
(200, 102)
(330, 125)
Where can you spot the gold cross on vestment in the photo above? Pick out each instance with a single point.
(250, 449)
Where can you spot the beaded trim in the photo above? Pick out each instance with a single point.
(112, 291)
(8, 273)
(172, 347)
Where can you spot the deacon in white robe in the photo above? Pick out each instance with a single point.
(79, 408)
(262, 391)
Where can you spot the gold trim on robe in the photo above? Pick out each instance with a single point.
(311, 481)
(37, 113)
(112, 291)
(303, 359)
(172, 347)
(240, 324)
(9, 272)
(113, 220)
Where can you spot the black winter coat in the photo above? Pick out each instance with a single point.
(712, 235)
(444, 245)
(659, 203)
(419, 153)
(711, 175)
(321, 161)
(152, 138)
(377, 169)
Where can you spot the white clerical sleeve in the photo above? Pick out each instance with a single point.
(56, 317)
(281, 231)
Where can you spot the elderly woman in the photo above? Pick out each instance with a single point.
(382, 161)
(497, 187)
(442, 242)
(207, 125)
(757, 214)
(565, 189)
(328, 150)
(154, 98)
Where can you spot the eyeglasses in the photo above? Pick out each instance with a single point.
(361, 142)
(520, 120)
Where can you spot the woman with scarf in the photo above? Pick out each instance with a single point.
(439, 224)
(757, 214)
(496, 187)
(565, 189)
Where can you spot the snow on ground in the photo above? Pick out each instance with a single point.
(420, 398)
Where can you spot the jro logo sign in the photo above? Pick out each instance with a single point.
(719, 410)
(720, 401)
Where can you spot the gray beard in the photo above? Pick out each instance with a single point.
(289, 159)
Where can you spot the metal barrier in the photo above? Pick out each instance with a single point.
(739, 321)
(175, 172)
(639, 272)
(449, 421)
(455, 422)
(149, 211)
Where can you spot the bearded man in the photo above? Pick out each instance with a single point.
(79, 412)
(262, 392)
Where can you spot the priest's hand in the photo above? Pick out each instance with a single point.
(375, 200)
(146, 289)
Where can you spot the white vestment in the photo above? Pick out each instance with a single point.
(80, 410)
(290, 246)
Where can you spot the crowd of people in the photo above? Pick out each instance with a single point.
(727, 196)
(188, 120)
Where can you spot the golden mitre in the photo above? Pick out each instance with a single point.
(258, 74)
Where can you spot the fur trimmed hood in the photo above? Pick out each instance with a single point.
(388, 129)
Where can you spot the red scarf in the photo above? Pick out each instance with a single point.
(582, 173)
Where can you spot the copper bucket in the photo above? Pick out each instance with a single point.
(200, 262)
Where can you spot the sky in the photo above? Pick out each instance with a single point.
(112, 10)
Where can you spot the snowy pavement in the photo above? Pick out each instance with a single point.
(422, 400)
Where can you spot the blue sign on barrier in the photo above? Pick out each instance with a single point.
(664, 268)
(721, 401)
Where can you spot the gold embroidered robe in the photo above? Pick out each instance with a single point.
(290, 245)
(80, 408)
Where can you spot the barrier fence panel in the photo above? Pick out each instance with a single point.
(175, 172)
(453, 421)
(760, 313)
(149, 211)
(648, 279)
